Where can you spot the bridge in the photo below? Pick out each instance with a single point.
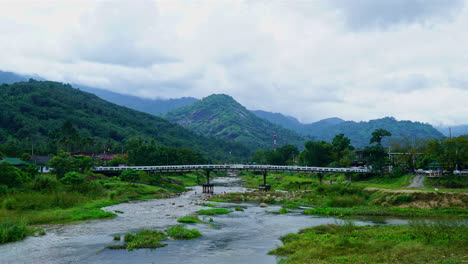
(208, 188)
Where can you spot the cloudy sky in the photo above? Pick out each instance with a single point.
(312, 59)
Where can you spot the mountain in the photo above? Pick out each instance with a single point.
(453, 131)
(219, 115)
(359, 132)
(37, 110)
(152, 106)
(288, 122)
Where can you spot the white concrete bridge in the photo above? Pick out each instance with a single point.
(208, 188)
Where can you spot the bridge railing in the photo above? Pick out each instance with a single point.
(232, 167)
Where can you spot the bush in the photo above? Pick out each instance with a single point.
(12, 230)
(73, 178)
(9, 204)
(397, 172)
(129, 175)
(178, 232)
(283, 211)
(3, 189)
(43, 182)
(129, 237)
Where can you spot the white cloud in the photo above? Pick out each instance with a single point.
(357, 60)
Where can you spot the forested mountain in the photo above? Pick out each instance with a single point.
(358, 132)
(151, 106)
(11, 77)
(38, 112)
(221, 116)
(288, 122)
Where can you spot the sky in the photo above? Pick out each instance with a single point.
(311, 59)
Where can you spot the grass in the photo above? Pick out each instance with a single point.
(142, 239)
(13, 230)
(178, 232)
(239, 209)
(214, 211)
(191, 219)
(283, 211)
(384, 211)
(420, 242)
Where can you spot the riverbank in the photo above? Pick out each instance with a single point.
(419, 242)
(345, 198)
(55, 202)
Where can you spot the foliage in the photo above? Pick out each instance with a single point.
(43, 182)
(12, 230)
(282, 156)
(58, 117)
(11, 176)
(418, 243)
(449, 151)
(129, 175)
(283, 211)
(191, 219)
(73, 178)
(316, 154)
(178, 232)
(145, 239)
(61, 164)
(214, 211)
(221, 116)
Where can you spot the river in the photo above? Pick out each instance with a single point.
(242, 237)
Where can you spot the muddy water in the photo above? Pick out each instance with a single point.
(241, 237)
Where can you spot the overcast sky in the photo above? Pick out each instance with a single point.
(353, 59)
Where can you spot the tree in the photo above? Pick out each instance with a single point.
(316, 154)
(61, 164)
(73, 178)
(450, 152)
(10, 176)
(83, 163)
(378, 135)
(376, 155)
(409, 149)
(129, 175)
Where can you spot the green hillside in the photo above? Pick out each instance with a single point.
(222, 117)
(37, 111)
(361, 132)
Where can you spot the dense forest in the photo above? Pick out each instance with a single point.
(52, 116)
(358, 132)
(222, 117)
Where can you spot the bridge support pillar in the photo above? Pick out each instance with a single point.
(320, 176)
(264, 187)
(208, 187)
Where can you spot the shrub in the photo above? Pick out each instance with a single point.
(129, 237)
(283, 211)
(129, 175)
(3, 189)
(11, 230)
(117, 237)
(147, 239)
(9, 204)
(43, 182)
(397, 172)
(73, 178)
(178, 232)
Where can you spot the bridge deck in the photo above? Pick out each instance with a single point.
(232, 167)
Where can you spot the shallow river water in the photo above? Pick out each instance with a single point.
(242, 237)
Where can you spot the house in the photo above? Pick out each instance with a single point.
(17, 162)
(41, 162)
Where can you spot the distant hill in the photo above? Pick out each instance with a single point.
(152, 106)
(39, 110)
(456, 130)
(221, 116)
(358, 132)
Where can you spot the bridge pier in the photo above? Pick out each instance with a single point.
(320, 176)
(207, 187)
(264, 187)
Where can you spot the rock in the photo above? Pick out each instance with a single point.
(263, 205)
